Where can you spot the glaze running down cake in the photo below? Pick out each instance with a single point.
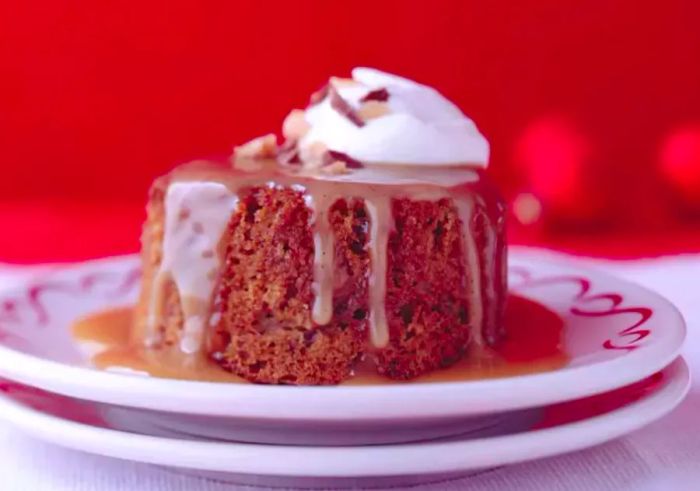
(369, 236)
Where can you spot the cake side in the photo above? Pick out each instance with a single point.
(427, 303)
(165, 329)
(266, 333)
(260, 324)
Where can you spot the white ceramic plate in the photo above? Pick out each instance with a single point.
(552, 430)
(615, 333)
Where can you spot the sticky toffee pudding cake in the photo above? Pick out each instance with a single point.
(369, 237)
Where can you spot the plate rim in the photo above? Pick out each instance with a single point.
(355, 461)
(312, 403)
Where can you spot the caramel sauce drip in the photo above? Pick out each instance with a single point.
(377, 187)
(156, 308)
(534, 344)
(322, 309)
(195, 220)
(379, 210)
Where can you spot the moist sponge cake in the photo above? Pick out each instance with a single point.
(293, 264)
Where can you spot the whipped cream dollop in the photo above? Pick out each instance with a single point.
(376, 117)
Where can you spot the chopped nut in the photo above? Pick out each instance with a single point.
(336, 168)
(288, 153)
(295, 126)
(332, 155)
(379, 95)
(342, 82)
(262, 147)
(319, 95)
(344, 108)
(373, 109)
(314, 155)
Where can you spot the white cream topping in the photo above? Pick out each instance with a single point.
(196, 215)
(420, 126)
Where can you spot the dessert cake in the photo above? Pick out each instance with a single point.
(369, 237)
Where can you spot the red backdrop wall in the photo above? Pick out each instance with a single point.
(96, 98)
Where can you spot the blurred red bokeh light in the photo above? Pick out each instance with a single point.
(97, 98)
(680, 163)
(555, 157)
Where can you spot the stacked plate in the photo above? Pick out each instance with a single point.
(623, 371)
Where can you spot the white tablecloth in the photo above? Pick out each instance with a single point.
(664, 455)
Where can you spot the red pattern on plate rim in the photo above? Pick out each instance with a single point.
(633, 331)
(120, 283)
(14, 309)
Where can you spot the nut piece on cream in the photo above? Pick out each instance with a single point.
(262, 147)
(380, 118)
(294, 125)
(249, 156)
(335, 168)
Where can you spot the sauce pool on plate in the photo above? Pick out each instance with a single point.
(533, 344)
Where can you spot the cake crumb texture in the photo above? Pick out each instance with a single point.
(266, 333)
(426, 302)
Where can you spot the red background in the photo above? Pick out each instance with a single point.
(579, 100)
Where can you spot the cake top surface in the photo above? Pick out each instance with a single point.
(376, 117)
